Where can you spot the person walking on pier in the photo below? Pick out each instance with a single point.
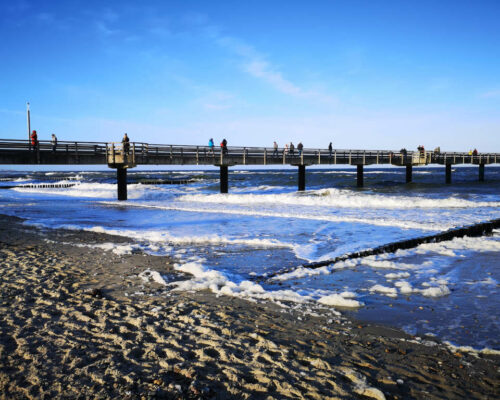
(54, 143)
(275, 147)
(300, 147)
(292, 149)
(223, 146)
(285, 149)
(34, 140)
(211, 145)
(330, 149)
(126, 143)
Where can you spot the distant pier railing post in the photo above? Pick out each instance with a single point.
(481, 172)
(359, 175)
(302, 178)
(224, 179)
(448, 173)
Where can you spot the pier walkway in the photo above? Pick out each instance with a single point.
(114, 156)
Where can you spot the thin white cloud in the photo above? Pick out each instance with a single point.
(109, 15)
(45, 18)
(491, 94)
(13, 112)
(104, 29)
(103, 21)
(263, 70)
(217, 101)
(256, 65)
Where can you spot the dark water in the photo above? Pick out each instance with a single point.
(264, 225)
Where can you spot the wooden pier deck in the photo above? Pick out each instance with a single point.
(112, 154)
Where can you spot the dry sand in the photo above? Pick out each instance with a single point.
(79, 323)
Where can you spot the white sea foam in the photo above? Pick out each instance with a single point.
(119, 249)
(165, 237)
(339, 198)
(204, 278)
(436, 291)
(374, 262)
(343, 299)
(219, 283)
(450, 247)
(471, 350)
(388, 291)
(302, 272)
(149, 275)
(404, 287)
(397, 275)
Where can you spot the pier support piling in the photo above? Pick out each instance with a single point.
(223, 179)
(481, 172)
(409, 170)
(121, 178)
(360, 175)
(302, 178)
(448, 173)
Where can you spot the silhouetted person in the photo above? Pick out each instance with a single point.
(126, 143)
(223, 146)
(34, 140)
(300, 147)
(275, 147)
(54, 143)
(403, 153)
(292, 149)
(330, 149)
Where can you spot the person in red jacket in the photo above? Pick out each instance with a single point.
(34, 140)
(223, 146)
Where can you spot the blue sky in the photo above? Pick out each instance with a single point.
(362, 74)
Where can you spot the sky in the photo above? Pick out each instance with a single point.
(361, 74)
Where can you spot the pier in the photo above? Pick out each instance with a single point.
(113, 155)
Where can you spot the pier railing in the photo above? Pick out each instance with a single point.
(69, 152)
(123, 156)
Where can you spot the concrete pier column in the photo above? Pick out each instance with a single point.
(448, 173)
(121, 178)
(223, 179)
(409, 170)
(360, 175)
(481, 172)
(302, 178)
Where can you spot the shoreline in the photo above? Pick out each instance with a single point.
(80, 322)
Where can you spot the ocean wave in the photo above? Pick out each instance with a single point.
(338, 198)
(161, 236)
(390, 222)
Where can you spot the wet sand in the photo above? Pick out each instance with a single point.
(81, 323)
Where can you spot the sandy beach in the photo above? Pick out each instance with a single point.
(80, 322)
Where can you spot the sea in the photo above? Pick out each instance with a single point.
(253, 241)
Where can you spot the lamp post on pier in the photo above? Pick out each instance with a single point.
(29, 124)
